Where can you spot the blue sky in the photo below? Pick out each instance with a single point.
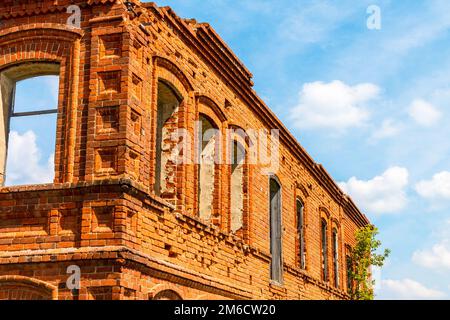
(370, 105)
(32, 139)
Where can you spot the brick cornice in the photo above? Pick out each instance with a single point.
(23, 8)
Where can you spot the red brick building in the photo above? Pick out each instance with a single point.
(141, 88)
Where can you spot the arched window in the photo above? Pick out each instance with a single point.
(29, 104)
(207, 167)
(24, 288)
(324, 241)
(301, 234)
(275, 231)
(167, 295)
(349, 266)
(167, 123)
(237, 186)
(336, 257)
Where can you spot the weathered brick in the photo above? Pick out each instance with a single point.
(102, 212)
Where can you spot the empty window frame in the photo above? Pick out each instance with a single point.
(324, 242)
(349, 266)
(301, 233)
(208, 136)
(276, 269)
(237, 188)
(29, 100)
(167, 295)
(167, 123)
(336, 257)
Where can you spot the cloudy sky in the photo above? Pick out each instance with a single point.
(370, 105)
(32, 139)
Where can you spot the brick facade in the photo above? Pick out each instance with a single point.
(102, 212)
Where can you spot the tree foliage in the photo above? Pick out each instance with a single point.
(363, 257)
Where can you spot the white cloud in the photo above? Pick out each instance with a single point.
(408, 289)
(437, 257)
(438, 188)
(382, 194)
(424, 113)
(389, 128)
(23, 165)
(333, 105)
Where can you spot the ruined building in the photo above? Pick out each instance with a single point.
(145, 203)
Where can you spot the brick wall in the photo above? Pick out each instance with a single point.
(102, 213)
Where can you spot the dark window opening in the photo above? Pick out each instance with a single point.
(324, 251)
(275, 232)
(237, 188)
(167, 295)
(301, 234)
(349, 265)
(208, 140)
(336, 258)
(167, 124)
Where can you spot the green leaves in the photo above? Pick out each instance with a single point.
(363, 257)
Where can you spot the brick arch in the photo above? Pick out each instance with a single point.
(42, 27)
(173, 87)
(335, 223)
(276, 178)
(169, 71)
(217, 114)
(167, 295)
(300, 187)
(241, 135)
(324, 214)
(50, 43)
(25, 288)
(36, 42)
(165, 292)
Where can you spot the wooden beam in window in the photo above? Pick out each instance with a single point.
(34, 113)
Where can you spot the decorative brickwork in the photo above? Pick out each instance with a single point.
(139, 224)
(23, 288)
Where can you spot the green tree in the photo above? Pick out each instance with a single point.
(364, 256)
